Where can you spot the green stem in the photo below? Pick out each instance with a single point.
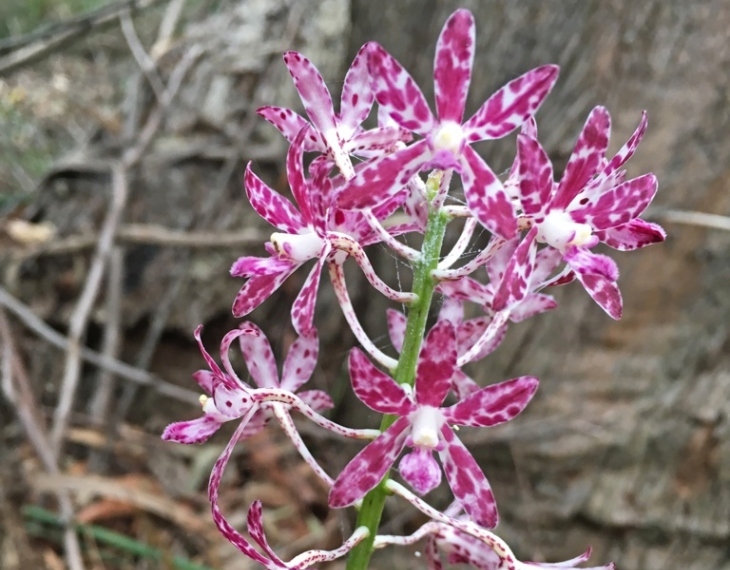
(423, 285)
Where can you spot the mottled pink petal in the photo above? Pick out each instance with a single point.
(512, 105)
(357, 96)
(302, 311)
(290, 124)
(372, 143)
(433, 560)
(228, 532)
(257, 289)
(628, 150)
(206, 380)
(436, 364)
(193, 431)
(497, 265)
(369, 466)
(257, 423)
(259, 266)
(375, 389)
(493, 405)
(271, 205)
(312, 90)
(295, 175)
(585, 262)
(486, 197)
(300, 362)
(255, 527)
(466, 289)
(259, 358)
(212, 364)
(572, 563)
(471, 331)
(420, 470)
(536, 178)
(515, 284)
(452, 67)
(383, 178)
(605, 292)
(451, 310)
(586, 158)
(467, 482)
(634, 235)
(397, 93)
(317, 400)
(532, 305)
(396, 328)
(618, 205)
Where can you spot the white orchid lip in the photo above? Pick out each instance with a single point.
(559, 231)
(297, 247)
(448, 136)
(426, 422)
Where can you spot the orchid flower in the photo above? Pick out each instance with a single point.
(423, 425)
(336, 135)
(317, 231)
(446, 141)
(592, 202)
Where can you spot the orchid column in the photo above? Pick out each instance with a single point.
(356, 186)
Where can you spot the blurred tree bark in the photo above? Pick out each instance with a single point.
(627, 446)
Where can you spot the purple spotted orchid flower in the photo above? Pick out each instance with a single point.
(446, 141)
(425, 426)
(335, 135)
(592, 203)
(228, 398)
(318, 230)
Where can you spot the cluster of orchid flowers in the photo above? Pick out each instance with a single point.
(362, 187)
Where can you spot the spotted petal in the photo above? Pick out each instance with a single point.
(603, 291)
(586, 158)
(302, 311)
(312, 90)
(485, 195)
(377, 390)
(396, 328)
(493, 405)
(452, 68)
(271, 205)
(259, 358)
(467, 482)
(357, 96)
(397, 92)
(536, 177)
(300, 362)
(436, 364)
(290, 124)
(257, 289)
(193, 431)
(369, 466)
(634, 235)
(515, 284)
(512, 105)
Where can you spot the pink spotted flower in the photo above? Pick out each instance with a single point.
(316, 230)
(592, 203)
(335, 135)
(425, 426)
(446, 140)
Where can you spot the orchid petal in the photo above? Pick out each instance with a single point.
(192, 431)
(493, 405)
(532, 305)
(258, 266)
(302, 311)
(536, 177)
(257, 289)
(375, 389)
(259, 358)
(628, 150)
(255, 527)
(485, 195)
(603, 291)
(357, 96)
(585, 160)
(512, 105)
(290, 124)
(420, 470)
(467, 481)
(436, 364)
(397, 93)
(515, 284)
(369, 466)
(634, 235)
(396, 328)
(271, 205)
(300, 362)
(452, 68)
(312, 90)
(317, 400)
(585, 262)
(618, 205)
(383, 178)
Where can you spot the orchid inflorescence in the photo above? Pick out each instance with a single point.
(363, 186)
